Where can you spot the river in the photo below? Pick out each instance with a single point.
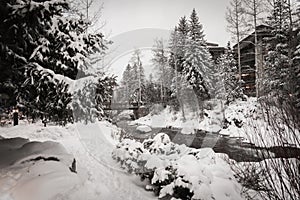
(235, 148)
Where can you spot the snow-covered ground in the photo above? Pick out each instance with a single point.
(211, 122)
(23, 175)
(167, 118)
(144, 129)
(37, 162)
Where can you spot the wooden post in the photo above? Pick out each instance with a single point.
(16, 117)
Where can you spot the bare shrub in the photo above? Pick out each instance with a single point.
(277, 176)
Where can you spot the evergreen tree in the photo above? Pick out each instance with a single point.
(296, 62)
(92, 95)
(126, 82)
(198, 67)
(133, 81)
(152, 91)
(137, 89)
(228, 87)
(45, 48)
(277, 69)
(104, 93)
(177, 51)
(296, 80)
(178, 42)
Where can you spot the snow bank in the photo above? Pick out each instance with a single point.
(246, 120)
(34, 170)
(178, 171)
(169, 118)
(241, 119)
(144, 129)
(98, 175)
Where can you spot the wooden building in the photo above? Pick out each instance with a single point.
(215, 50)
(250, 72)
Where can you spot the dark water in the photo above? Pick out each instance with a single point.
(235, 148)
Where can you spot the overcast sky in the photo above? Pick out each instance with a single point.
(136, 23)
(127, 15)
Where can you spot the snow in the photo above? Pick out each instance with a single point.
(98, 175)
(244, 120)
(254, 128)
(169, 118)
(125, 115)
(37, 158)
(144, 129)
(203, 172)
(166, 118)
(23, 170)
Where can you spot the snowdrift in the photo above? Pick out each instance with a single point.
(34, 170)
(178, 171)
(31, 170)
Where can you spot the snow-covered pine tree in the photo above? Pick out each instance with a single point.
(58, 108)
(45, 97)
(41, 41)
(104, 93)
(174, 62)
(152, 91)
(178, 41)
(198, 65)
(126, 83)
(296, 93)
(277, 63)
(134, 84)
(228, 87)
(296, 62)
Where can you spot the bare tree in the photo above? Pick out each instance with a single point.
(235, 17)
(90, 11)
(254, 9)
(160, 60)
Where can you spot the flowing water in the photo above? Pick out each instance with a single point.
(235, 148)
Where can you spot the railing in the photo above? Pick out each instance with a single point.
(123, 106)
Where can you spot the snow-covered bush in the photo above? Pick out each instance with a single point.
(178, 171)
(237, 117)
(90, 96)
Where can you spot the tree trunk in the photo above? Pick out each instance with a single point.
(257, 66)
(237, 25)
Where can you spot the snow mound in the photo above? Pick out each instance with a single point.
(144, 129)
(178, 171)
(125, 115)
(189, 123)
(34, 170)
(98, 175)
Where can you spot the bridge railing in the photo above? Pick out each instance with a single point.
(123, 106)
